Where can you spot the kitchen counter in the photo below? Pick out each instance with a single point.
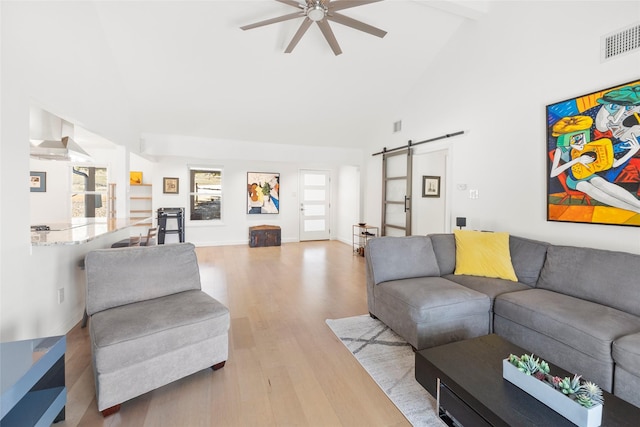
(80, 230)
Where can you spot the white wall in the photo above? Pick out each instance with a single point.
(347, 202)
(429, 213)
(54, 204)
(494, 80)
(52, 59)
(175, 154)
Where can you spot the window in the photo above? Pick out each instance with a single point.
(205, 194)
(88, 192)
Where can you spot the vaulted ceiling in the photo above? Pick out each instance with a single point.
(187, 68)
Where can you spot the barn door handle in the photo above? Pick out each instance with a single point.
(406, 200)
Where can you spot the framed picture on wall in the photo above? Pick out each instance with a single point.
(38, 182)
(263, 193)
(593, 157)
(170, 185)
(430, 186)
(135, 177)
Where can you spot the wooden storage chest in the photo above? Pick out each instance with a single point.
(264, 235)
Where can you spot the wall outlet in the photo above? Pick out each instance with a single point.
(60, 295)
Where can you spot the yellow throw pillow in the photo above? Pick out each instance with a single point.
(487, 254)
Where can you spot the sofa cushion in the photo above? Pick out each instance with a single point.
(527, 257)
(606, 277)
(487, 254)
(394, 258)
(141, 331)
(487, 285)
(126, 275)
(431, 299)
(577, 323)
(626, 353)
(444, 246)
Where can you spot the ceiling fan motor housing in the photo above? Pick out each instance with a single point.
(316, 11)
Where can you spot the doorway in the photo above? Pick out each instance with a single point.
(315, 204)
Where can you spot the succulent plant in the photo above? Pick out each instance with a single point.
(583, 392)
(529, 364)
(591, 394)
(544, 367)
(570, 386)
(584, 400)
(513, 359)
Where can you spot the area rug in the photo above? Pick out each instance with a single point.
(390, 362)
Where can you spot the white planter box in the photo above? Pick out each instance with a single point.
(554, 399)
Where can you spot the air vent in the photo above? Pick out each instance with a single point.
(397, 126)
(620, 42)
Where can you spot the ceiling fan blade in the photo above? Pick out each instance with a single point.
(358, 25)
(293, 15)
(346, 4)
(293, 3)
(296, 38)
(331, 38)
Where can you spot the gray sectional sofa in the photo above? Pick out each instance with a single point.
(578, 308)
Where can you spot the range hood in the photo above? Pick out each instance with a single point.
(65, 149)
(46, 138)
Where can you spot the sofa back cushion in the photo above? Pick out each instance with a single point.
(444, 246)
(395, 258)
(527, 256)
(606, 277)
(126, 275)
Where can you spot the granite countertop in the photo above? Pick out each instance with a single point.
(80, 230)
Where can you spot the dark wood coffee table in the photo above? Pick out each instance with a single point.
(468, 376)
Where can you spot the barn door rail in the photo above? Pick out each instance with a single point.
(413, 144)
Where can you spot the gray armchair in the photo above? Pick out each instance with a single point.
(151, 323)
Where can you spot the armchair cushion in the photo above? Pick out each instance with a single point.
(138, 332)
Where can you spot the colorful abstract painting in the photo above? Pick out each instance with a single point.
(263, 193)
(593, 155)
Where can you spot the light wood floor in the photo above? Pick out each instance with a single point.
(285, 366)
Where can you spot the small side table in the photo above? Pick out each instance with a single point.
(361, 234)
(32, 382)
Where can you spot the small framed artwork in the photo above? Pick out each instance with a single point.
(430, 186)
(135, 177)
(263, 189)
(38, 182)
(170, 185)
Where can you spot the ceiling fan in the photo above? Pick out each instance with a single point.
(321, 12)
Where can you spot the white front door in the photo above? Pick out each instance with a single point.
(315, 204)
